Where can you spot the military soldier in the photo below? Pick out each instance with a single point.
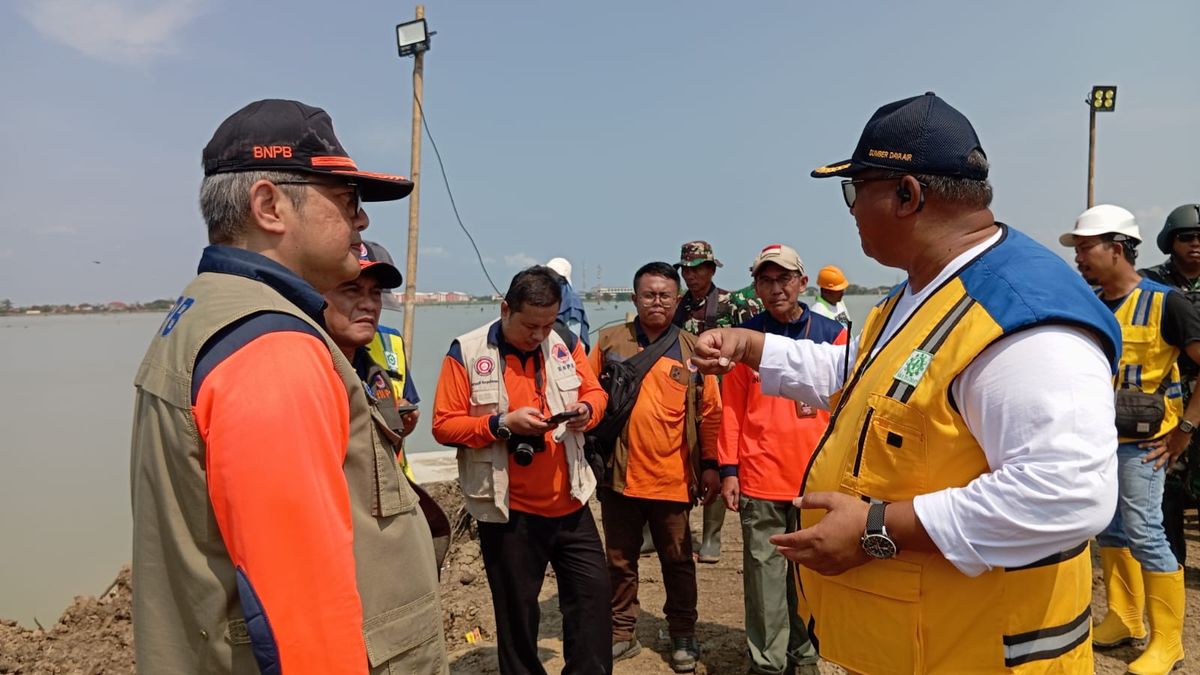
(705, 306)
(1180, 239)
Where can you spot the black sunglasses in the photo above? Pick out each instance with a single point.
(1187, 237)
(850, 187)
(355, 204)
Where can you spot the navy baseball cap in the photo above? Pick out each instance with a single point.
(922, 134)
(279, 135)
(374, 257)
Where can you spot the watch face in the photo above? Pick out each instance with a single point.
(879, 546)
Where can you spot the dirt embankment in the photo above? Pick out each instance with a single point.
(94, 635)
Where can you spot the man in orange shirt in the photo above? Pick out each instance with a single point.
(502, 389)
(658, 466)
(765, 445)
(268, 521)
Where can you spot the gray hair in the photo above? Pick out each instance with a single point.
(225, 200)
(959, 190)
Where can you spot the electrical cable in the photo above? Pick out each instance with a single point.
(453, 205)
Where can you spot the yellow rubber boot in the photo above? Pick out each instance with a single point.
(1164, 596)
(1126, 599)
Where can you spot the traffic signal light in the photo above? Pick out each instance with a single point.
(1104, 99)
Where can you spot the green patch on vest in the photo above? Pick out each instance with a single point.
(914, 367)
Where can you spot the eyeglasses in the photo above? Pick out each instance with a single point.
(647, 298)
(1187, 237)
(781, 280)
(354, 204)
(850, 187)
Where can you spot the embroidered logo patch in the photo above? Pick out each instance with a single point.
(914, 367)
(484, 365)
(182, 305)
(560, 353)
(392, 362)
(382, 390)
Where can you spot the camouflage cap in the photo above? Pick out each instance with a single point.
(695, 253)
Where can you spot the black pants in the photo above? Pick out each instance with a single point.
(1175, 500)
(515, 556)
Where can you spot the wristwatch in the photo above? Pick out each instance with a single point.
(1186, 426)
(502, 431)
(875, 540)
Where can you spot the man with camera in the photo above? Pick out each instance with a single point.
(1157, 323)
(658, 465)
(514, 397)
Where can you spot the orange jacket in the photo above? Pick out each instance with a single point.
(767, 441)
(657, 444)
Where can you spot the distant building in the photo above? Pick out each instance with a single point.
(613, 290)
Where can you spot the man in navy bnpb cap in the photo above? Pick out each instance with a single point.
(971, 451)
(272, 529)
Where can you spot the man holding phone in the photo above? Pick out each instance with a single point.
(659, 465)
(503, 389)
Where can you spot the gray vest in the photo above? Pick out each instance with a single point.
(187, 614)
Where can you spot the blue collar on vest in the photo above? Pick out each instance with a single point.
(243, 263)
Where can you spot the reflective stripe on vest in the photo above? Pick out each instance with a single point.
(895, 435)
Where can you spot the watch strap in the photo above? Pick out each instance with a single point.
(875, 518)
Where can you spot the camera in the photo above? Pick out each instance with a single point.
(522, 448)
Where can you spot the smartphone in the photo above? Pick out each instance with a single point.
(563, 416)
(405, 409)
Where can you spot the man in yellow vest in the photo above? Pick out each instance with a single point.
(970, 453)
(1157, 323)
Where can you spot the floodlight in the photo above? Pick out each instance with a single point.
(1103, 99)
(412, 37)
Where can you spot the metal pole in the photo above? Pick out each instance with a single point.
(414, 200)
(1091, 154)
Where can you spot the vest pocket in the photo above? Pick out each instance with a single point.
(886, 591)
(407, 639)
(475, 473)
(393, 495)
(891, 458)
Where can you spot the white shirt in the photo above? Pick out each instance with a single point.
(1040, 404)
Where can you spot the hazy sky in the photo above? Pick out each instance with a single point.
(607, 133)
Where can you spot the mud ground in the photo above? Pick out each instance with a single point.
(94, 634)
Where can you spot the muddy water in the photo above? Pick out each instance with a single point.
(66, 397)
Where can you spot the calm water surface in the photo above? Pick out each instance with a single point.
(66, 396)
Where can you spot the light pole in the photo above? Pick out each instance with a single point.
(1103, 99)
(412, 39)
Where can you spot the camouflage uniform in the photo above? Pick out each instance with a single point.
(732, 308)
(720, 308)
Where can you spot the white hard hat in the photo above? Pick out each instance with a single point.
(1102, 219)
(562, 266)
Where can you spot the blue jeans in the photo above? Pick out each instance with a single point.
(1138, 522)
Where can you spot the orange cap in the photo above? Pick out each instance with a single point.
(831, 279)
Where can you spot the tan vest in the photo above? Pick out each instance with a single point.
(187, 614)
(483, 472)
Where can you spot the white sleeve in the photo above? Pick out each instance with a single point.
(1040, 403)
(803, 370)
